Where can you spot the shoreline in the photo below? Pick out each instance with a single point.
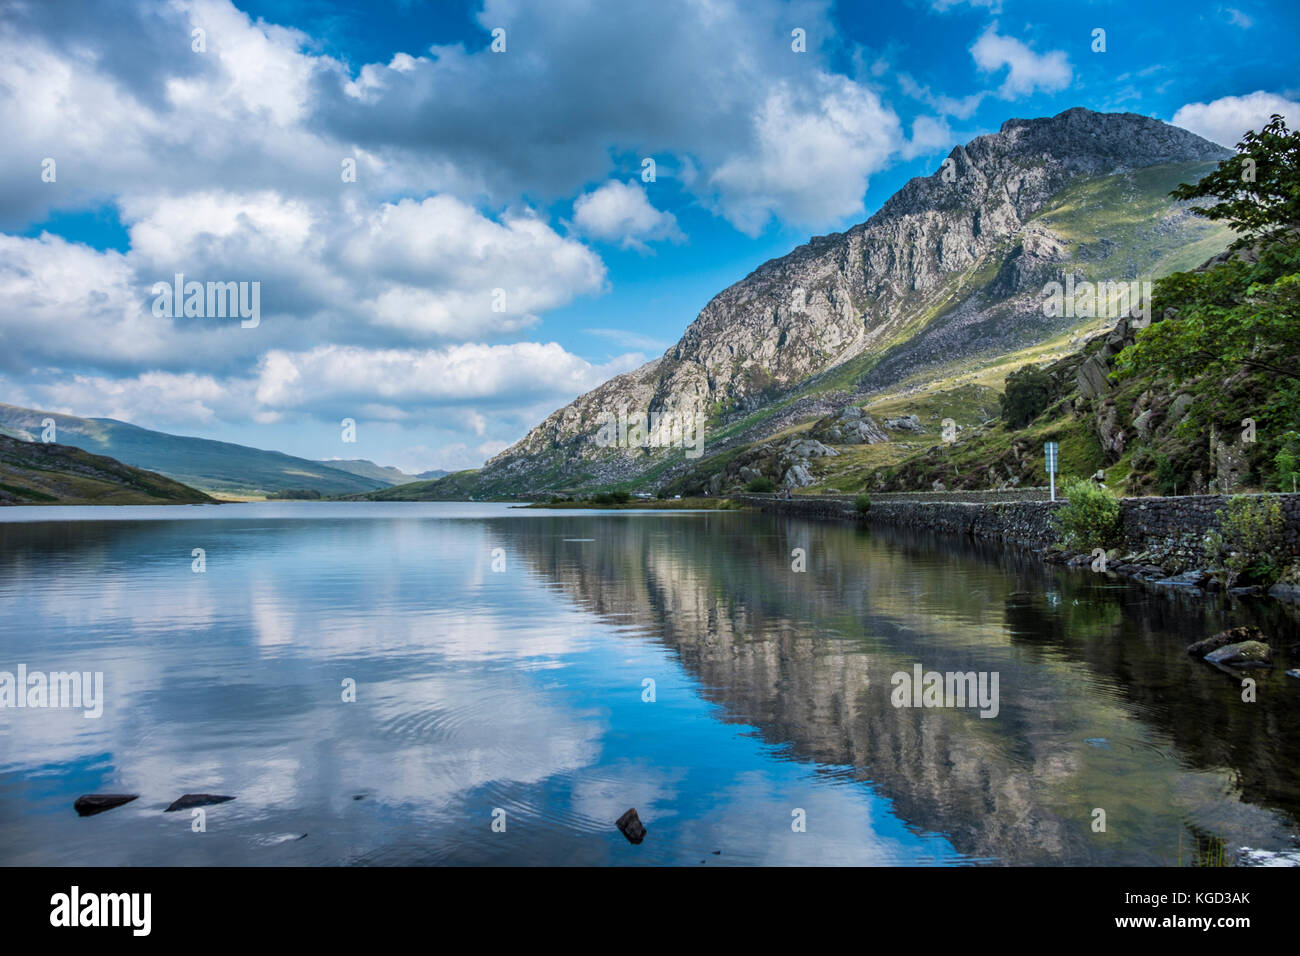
(1163, 537)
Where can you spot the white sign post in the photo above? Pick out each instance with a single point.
(1050, 449)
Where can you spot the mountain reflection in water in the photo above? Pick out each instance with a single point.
(524, 691)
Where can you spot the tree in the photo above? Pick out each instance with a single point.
(1256, 189)
(1241, 314)
(1028, 392)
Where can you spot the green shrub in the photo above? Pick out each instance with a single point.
(1166, 475)
(862, 504)
(1249, 546)
(761, 484)
(1142, 460)
(1028, 393)
(612, 498)
(1090, 517)
(1287, 462)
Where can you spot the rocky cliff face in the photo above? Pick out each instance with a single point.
(951, 264)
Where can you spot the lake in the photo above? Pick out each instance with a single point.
(394, 683)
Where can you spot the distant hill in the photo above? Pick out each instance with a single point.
(386, 473)
(32, 473)
(441, 486)
(366, 468)
(213, 466)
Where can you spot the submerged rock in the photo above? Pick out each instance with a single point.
(196, 800)
(1193, 579)
(277, 839)
(1245, 654)
(630, 825)
(92, 803)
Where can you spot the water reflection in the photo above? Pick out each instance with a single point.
(522, 691)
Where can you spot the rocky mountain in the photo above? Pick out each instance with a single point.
(952, 267)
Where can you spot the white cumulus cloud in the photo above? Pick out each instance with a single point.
(1224, 120)
(618, 211)
(1027, 71)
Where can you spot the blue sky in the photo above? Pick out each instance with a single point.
(219, 155)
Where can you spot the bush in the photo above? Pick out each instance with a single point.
(1169, 477)
(761, 484)
(1028, 393)
(1287, 462)
(862, 504)
(612, 498)
(1143, 460)
(1249, 545)
(1090, 517)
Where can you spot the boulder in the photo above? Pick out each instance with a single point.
(1236, 635)
(904, 423)
(797, 476)
(1109, 431)
(809, 448)
(1092, 377)
(1245, 654)
(1143, 424)
(629, 824)
(1179, 408)
(1192, 579)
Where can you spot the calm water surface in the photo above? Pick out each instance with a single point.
(479, 691)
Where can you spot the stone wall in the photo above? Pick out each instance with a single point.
(1173, 530)
(1169, 531)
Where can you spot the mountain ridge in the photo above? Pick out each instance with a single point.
(947, 266)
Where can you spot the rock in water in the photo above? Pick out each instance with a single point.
(630, 824)
(196, 800)
(92, 803)
(1235, 635)
(1245, 654)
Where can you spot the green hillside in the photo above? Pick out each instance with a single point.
(33, 473)
(213, 466)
